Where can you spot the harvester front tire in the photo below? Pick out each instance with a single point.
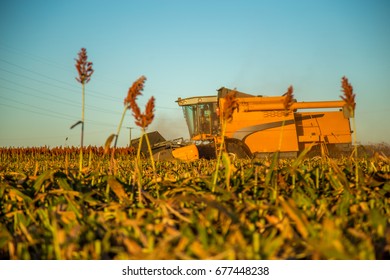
(237, 148)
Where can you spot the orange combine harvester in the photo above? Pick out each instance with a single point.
(260, 127)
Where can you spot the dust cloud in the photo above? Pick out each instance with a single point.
(170, 126)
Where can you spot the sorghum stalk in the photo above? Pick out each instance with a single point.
(85, 71)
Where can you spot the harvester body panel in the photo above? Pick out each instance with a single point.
(264, 126)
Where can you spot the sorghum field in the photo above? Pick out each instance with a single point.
(304, 208)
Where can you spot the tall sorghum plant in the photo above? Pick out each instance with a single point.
(142, 120)
(85, 71)
(287, 103)
(349, 110)
(229, 106)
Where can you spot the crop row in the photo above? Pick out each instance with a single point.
(260, 209)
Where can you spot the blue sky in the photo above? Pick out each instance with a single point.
(184, 48)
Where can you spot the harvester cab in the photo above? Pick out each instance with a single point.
(201, 115)
(203, 118)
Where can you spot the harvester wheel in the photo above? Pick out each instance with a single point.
(237, 148)
(206, 151)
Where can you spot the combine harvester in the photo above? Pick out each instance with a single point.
(256, 128)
